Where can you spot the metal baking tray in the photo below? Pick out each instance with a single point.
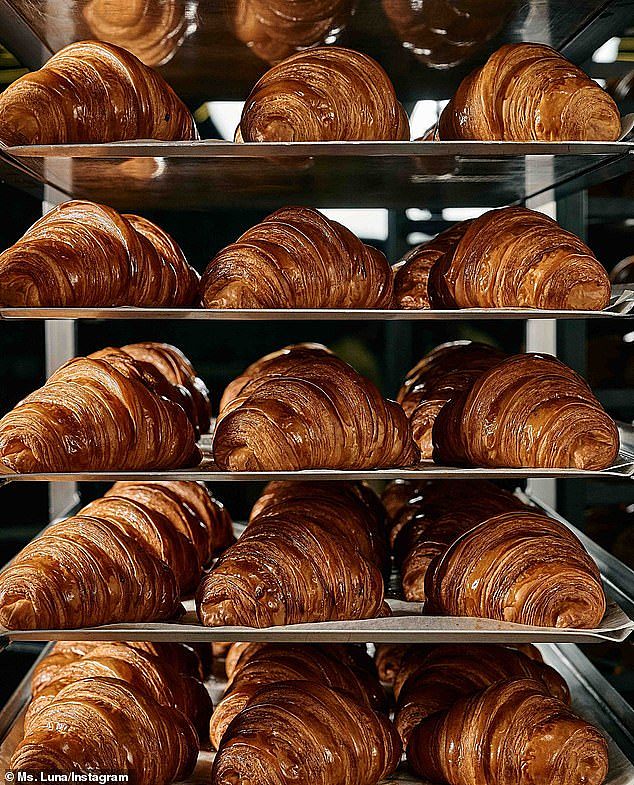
(592, 697)
(621, 304)
(142, 175)
(622, 469)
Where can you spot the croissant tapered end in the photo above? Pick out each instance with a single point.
(85, 254)
(91, 92)
(527, 411)
(308, 409)
(520, 567)
(324, 94)
(320, 735)
(529, 92)
(298, 258)
(528, 737)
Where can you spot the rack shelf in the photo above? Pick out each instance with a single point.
(208, 174)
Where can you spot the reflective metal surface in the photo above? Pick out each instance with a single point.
(197, 42)
(201, 175)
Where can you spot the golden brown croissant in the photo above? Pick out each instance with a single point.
(274, 30)
(515, 258)
(348, 509)
(321, 95)
(84, 254)
(320, 736)
(512, 733)
(302, 408)
(288, 567)
(274, 663)
(191, 509)
(140, 669)
(171, 363)
(103, 412)
(433, 678)
(529, 92)
(103, 724)
(388, 658)
(297, 258)
(529, 410)
(520, 567)
(84, 572)
(443, 373)
(91, 92)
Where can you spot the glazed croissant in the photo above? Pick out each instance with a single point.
(516, 258)
(443, 373)
(91, 92)
(275, 663)
(321, 736)
(520, 567)
(290, 567)
(102, 412)
(529, 410)
(140, 669)
(321, 95)
(529, 92)
(297, 258)
(513, 733)
(104, 724)
(85, 254)
(433, 678)
(302, 408)
(347, 509)
(274, 30)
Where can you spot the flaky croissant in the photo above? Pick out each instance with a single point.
(289, 568)
(103, 724)
(274, 663)
(320, 735)
(520, 567)
(530, 410)
(529, 92)
(512, 733)
(321, 95)
(433, 678)
(297, 258)
(436, 379)
(103, 412)
(85, 254)
(274, 30)
(516, 258)
(301, 408)
(91, 92)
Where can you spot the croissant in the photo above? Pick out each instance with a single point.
(513, 733)
(623, 272)
(91, 92)
(140, 669)
(288, 567)
(324, 94)
(348, 509)
(191, 509)
(84, 254)
(171, 363)
(529, 92)
(434, 679)
(513, 258)
(388, 658)
(103, 724)
(297, 258)
(443, 373)
(529, 410)
(320, 735)
(274, 30)
(97, 413)
(302, 408)
(520, 567)
(275, 663)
